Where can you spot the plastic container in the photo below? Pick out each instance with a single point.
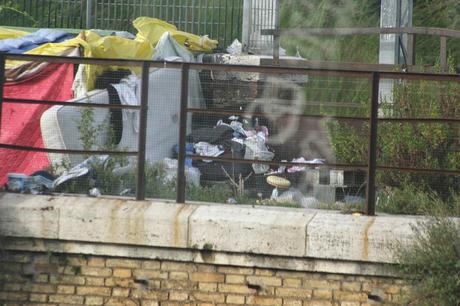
(19, 182)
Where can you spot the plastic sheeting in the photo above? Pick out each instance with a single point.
(151, 29)
(20, 122)
(150, 32)
(33, 40)
(97, 47)
(6, 33)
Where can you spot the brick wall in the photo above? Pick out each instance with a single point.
(60, 279)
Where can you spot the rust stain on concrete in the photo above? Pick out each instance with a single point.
(365, 255)
(176, 225)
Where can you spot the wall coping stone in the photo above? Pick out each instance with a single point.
(288, 238)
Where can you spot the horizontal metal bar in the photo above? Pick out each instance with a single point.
(280, 70)
(73, 60)
(67, 151)
(363, 31)
(261, 114)
(421, 120)
(278, 163)
(241, 68)
(325, 165)
(419, 76)
(420, 170)
(75, 104)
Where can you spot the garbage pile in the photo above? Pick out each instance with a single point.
(58, 127)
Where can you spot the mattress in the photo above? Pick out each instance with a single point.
(60, 127)
(60, 124)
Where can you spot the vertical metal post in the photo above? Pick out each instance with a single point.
(276, 36)
(2, 82)
(411, 40)
(247, 23)
(443, 53)
(370, 189)
(89, 14)
(181, 181)
(140, 190)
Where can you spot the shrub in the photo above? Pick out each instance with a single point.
(432, 263)
(410, 144)
(410, 200)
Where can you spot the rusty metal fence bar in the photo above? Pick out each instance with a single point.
(372, 159)
(374, 76)
(443, 34)
(140, 192)
(181, 181)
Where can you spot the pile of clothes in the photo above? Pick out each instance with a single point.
(235, 137)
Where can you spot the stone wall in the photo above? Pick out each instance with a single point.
(101, 251)
(38, 278)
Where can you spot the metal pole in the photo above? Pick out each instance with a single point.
(247, 22)
(89, 14)
(276, 36)
(140, 190)
(370, 189)
(2, 82)
(443, 53)
(181, 180)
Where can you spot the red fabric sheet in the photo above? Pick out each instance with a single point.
(21, 122)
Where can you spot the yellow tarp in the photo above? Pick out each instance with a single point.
(142, 48)
(96, 47)
(6, 33)
(151, 29)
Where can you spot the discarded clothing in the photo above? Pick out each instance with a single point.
(304, 161)
(80, 169)
(219, 135)
(207, 149)
(257, 150)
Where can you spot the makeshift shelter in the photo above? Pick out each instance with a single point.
(20, 122)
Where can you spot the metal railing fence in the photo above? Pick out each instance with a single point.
(373, 119)
(220, 19)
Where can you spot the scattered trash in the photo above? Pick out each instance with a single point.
(304, 161)
(206, 149)
(232, 201)
(94, 192)
(80, 170)
(236, 48)
(309, 202)
(257, 150)
(348, 199)
(18, 182)
(37, 183)
(277, 182)
(192, 174)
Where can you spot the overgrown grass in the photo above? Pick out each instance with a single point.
(432, 263)
(409, 200)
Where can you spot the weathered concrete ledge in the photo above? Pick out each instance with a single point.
(294, 239)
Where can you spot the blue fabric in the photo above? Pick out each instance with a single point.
(33, 40)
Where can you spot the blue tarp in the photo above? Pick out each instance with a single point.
(33, 40)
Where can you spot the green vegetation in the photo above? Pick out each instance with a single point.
(432, 263)
(364, 13)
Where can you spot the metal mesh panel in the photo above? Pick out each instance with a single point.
(44, 13)
(220, 19)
